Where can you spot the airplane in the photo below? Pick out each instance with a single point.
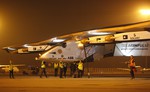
(15, 67)
(114, 40)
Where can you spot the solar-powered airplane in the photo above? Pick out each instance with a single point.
(127, 39)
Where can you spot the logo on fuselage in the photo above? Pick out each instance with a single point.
(134, 37)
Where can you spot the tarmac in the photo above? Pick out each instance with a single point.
(56, 84)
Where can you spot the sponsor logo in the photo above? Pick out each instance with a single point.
(134, 37)
(134, 46)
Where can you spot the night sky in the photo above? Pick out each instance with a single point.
(27, 21)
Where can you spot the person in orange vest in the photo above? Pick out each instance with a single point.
(132, 66)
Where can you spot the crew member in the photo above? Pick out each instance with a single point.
(65, 69)
(11, 70)
(132, 66)
(73, 68)
(80, 69)
(43, 68)
(56, 69)
(61, 67)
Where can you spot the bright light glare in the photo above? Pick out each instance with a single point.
(9, 48)
(26, 45)
(94, 32)
(57, 40)
(145, 12)
(40, 54)
(80, 45)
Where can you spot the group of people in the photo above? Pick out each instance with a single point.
(79, 67)
(62, 67)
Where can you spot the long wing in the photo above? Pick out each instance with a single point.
(97, 32)
(79, 36)
(13, 65)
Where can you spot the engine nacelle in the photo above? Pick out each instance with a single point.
(101, 39)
